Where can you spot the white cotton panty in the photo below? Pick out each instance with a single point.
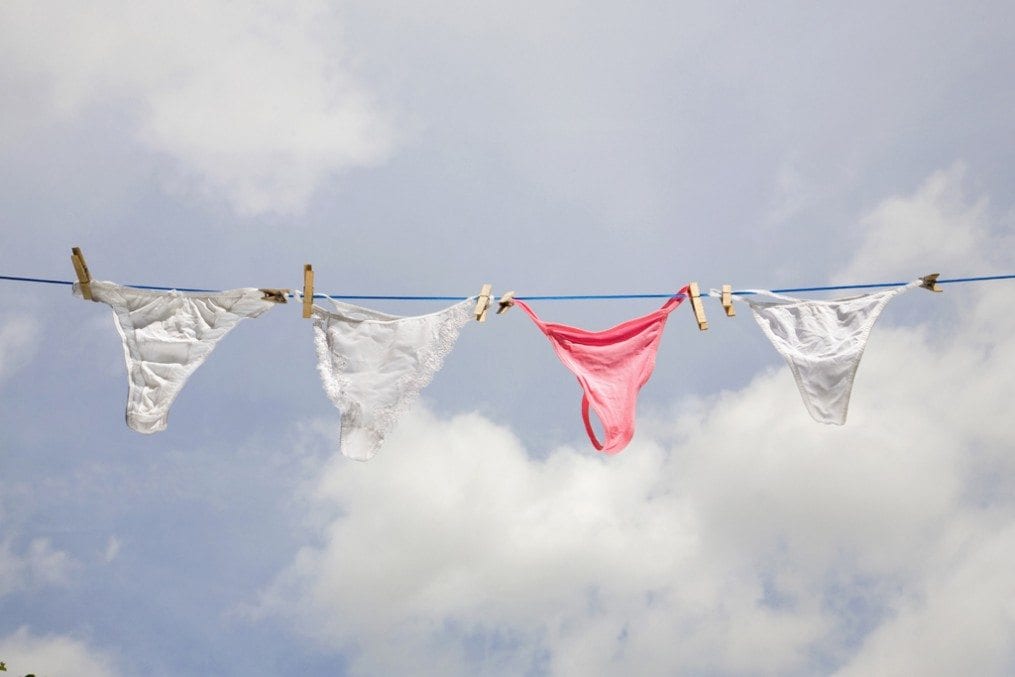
(373, 365)
(166, 337)
(823, 342)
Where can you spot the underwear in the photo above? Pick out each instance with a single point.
(166, 337)
(611, 367)
(823, 342)
(373, 365)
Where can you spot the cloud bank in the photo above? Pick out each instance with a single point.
(257, 102)
(54, 656)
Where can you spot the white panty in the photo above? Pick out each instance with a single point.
(373, 365)
(166, 337)
(823, 342)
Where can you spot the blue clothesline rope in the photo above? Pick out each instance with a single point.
(559, 297)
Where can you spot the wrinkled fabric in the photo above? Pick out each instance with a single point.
(822, 341)
(611, 367)
(374, 365)
(166, 336)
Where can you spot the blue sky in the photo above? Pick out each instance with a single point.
(430, 147)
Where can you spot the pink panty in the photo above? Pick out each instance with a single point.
(611, 366)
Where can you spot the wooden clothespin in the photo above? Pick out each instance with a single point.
(506, 301)
(308, 289)
(694, 293)
(727, 300)
(930, 282)
(276, 295)
(81, 268)
(483, 303)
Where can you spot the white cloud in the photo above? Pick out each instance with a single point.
(936, 229)
(963, 619)
(791, 192)
(112, 549)
(39, 566)
(54, 656)
(18, 337)
(740, 537)
(256, 101)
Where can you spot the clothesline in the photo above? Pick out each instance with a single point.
(555, 297)
(373, 365)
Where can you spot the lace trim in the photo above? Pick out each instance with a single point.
(332, 367)
(413, 382)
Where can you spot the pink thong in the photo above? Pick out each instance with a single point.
(611, 366)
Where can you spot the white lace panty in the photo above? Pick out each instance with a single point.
(373, 365)
(166, 337)
(823, 342)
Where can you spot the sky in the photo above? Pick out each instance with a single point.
(551, 148)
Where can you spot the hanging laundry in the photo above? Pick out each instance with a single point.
(373, 365)
(166, 337)
(822, 341)
(611, 367)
